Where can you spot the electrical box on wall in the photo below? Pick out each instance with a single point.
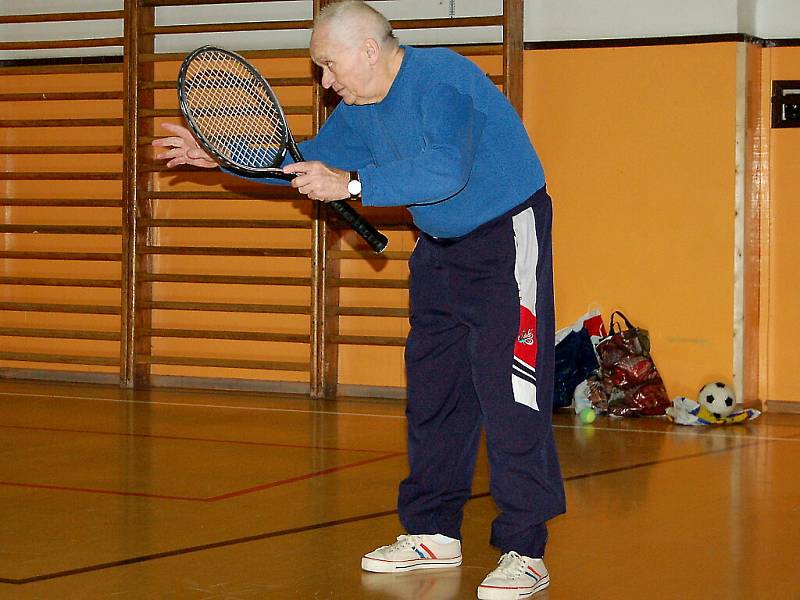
(786, 103)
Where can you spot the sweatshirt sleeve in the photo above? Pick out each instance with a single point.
(451, 128)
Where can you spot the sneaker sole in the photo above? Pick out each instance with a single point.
(498, 593)
(384, 566)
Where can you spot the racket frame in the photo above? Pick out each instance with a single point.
(376, 240)
(273, 170)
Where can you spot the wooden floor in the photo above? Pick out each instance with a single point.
(200, 495)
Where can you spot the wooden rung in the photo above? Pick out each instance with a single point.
(90, 256)
(115, 67)
(62, 202)
(226, 27)
(223, 279)
(63, 16)
(358, 311)
(149, 113)
(477, 49)
(265, 365)
(369, 283)
(59, 333)
(61, 176)
(226, 307)
(209, 334)
(60, 149)
(261, 192)
(43, 96)
(274, 53)
(489, 21)
(60, 358)
(368, 340)
(196, 2)
(61, 282)
(161, 84)
(368, 254)
(63, 229)
(88, 309)
(274, 82)
(217, 251)
(56, 44)
(226, 223)
(144, 141)
(62, 123)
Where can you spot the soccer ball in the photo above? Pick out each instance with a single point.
(718, 399)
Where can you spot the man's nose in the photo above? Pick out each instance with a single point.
(327, 79)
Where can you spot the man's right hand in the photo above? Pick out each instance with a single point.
(184, 148)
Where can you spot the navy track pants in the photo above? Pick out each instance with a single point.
(480, 353)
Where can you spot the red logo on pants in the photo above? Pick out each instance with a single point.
(525, 348)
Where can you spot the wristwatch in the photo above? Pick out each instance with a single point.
(354, 185)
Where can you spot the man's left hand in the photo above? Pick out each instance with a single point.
(318, 181)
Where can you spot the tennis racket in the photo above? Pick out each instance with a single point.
(236, 117)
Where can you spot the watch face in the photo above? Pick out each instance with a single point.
(354, 187)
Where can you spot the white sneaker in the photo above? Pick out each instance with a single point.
(515, 577)
(411, 552)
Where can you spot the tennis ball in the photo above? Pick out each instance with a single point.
(587, 415)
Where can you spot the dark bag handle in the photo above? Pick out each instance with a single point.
(624, 318)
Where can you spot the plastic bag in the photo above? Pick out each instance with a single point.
(629, 383)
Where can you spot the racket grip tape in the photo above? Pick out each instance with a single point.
(376, 240)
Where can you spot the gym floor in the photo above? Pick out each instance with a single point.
(167, 494)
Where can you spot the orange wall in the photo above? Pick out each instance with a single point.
(638, 146)
(62, 189)
(782, 309)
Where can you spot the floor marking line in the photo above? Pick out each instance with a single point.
(227, 406)
(188, 439)
(687, 433)
(193, 549)
(316, 526)
(65, 488)
(321, 473)
(225, 496)
(693, 433)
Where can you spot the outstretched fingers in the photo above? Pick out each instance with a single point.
(183, 149)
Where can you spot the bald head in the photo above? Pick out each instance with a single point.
(353, 45)
(353, 21)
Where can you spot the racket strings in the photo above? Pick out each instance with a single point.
(233, 111)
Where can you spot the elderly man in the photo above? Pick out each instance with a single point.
(425, 128)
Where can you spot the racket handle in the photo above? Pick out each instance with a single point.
(376, 240)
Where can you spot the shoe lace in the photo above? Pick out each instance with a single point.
(511, 565)
(403, 542)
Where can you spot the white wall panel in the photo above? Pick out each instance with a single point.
(69, 30)
(278, 11)
(547, 20)
(32, 7)
(778, 18)
(747, 16)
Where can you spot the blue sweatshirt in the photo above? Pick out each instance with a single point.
(444, 142)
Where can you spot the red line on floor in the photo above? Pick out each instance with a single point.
(303, 477)
(190, 439)
(227, 496)
(64, 488)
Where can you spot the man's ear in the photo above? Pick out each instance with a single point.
(372, 49)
